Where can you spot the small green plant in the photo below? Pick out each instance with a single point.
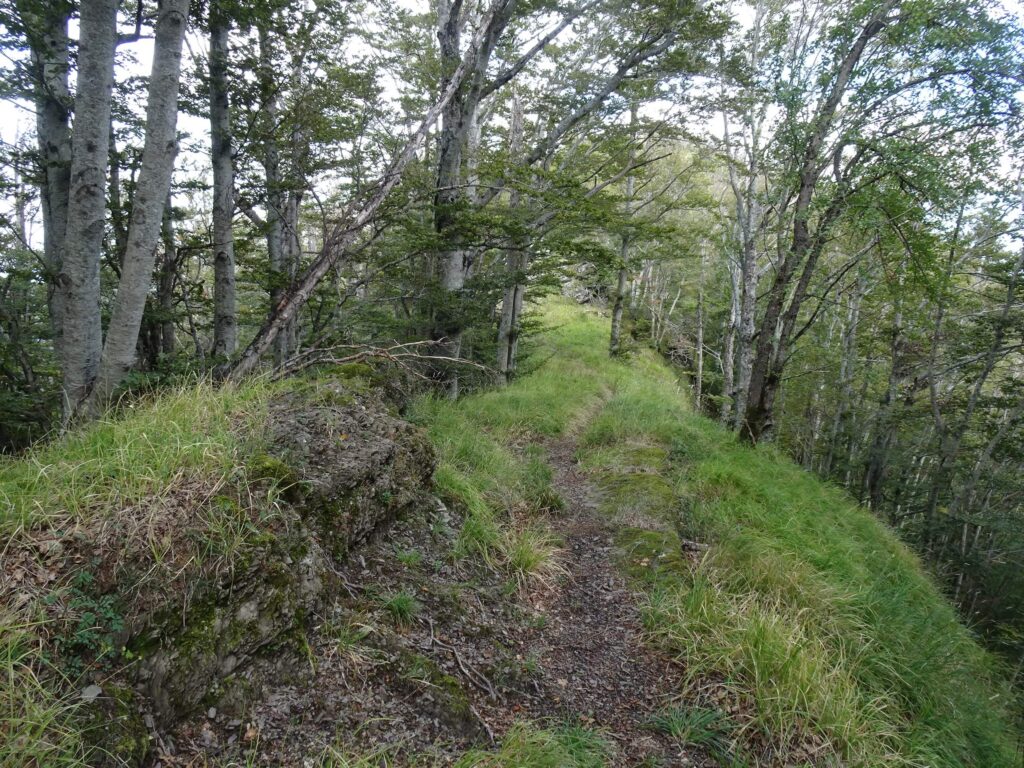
(96, 621)
(409, 557)
(709, 729)
(531, 556)
(402, 607)
(527, 747)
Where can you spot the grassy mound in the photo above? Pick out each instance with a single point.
(111, 493)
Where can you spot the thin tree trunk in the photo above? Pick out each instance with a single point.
(152, 189)
(292, 257)
(274, 229)
(622, 286)
(47, 28)
(846, 375)
(165, 285)
(80, 277)
(729, 347)
(698, 388)
(951, 438)
(225, 331)
(516, 265)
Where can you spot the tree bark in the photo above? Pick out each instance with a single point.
(165, 284)
(516, 265)
(46, 26)
(152, 189)
(274, 228)
(698, 388)
(621, 288)
(729, 347)
(225, 333)
(83, 242)
(779, 319)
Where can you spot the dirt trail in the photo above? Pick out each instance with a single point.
(472, 662)
(592, 642)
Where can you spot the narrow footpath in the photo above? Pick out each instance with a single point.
(469, 660)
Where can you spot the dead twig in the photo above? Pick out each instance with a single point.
(401, 355)
(476, 678)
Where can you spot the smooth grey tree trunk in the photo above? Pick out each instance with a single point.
(729, 347)
(83, 242)
(225, 334)
(152, 188)
(516, 265)
(47, 24)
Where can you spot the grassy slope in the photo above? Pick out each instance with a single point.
(94, 485)
(819, 633)
(812, 626)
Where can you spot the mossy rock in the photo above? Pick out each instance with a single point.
(114, 728)
(643, 493)
(273, 469)
(651, 557)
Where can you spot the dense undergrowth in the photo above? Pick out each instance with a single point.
(807, 632)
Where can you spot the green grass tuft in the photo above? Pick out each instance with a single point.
(402, 607)
(527, 747)
(709, 729)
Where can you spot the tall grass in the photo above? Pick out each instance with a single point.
(115, 463)
(36, 725)
(813, 618)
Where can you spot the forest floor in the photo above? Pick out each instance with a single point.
(468, 656)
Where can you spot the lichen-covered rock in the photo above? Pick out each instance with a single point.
(341, 466)
(184, 658)
(350, 466)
